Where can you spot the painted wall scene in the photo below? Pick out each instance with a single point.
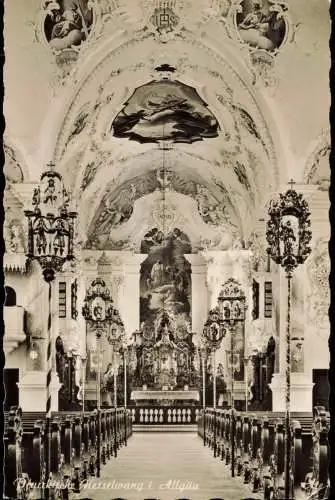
(165, 110)
(67, 23)
(261, 24)
(165, 284)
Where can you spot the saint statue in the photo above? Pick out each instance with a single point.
(287, 235)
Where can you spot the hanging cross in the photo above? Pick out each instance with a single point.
(291, 183)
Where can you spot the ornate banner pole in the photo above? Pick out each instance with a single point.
(232, 303)
(213, 334)
(50, 242)
(288, 235)
(104, 319)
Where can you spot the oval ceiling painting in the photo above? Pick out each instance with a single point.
(165, 110)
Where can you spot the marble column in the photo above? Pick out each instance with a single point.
(199, 291)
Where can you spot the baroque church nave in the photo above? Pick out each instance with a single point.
(166, 247)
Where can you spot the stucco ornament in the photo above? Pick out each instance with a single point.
(258, 253)
(13, 235)
(318, 298)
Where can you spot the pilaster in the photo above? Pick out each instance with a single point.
(199, 291)
(32, 391)
(130, 308)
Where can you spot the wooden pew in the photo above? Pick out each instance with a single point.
(79, 444)
(259, 446)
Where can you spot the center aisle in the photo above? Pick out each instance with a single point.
(165, 466)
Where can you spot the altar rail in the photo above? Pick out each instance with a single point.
(80, 444)
(257, 453)
(160, 415)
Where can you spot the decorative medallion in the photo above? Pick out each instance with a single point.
(165, 216)
(64, 26)
(164, 20)
(263, 27)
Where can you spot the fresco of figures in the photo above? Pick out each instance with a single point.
(67, 23)
(165, 277)
(261, 24)
(168, 110)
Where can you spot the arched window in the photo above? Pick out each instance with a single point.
(10, 296)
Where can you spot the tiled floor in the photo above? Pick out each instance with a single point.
(165, 466)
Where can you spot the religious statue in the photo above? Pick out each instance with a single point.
(59, 240)
(270, 358)
(97, 311)
(50, 192)
(287, 235)
(297, 357)
(237, 310)
(41, 241)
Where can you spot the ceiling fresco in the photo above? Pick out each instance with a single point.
(117, 205)
(260, 24)
(165, 110)
(67, 23)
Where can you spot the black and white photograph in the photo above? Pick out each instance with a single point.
(166, 263)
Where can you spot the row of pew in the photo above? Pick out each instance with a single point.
(253, 446)
(80, 443)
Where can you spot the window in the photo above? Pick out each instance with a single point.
(62, 300)
(255, 299)
(268, 299)
(10, 297)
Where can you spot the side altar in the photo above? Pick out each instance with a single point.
(165, 372)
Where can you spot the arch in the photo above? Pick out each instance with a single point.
(10, 297)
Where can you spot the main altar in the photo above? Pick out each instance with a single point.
(165, 372)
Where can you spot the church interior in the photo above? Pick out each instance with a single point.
(166, 247)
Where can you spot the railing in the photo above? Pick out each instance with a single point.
(160, 415)
(80, 443)
(253, 447)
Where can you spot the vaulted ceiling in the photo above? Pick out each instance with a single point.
(187, 100)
